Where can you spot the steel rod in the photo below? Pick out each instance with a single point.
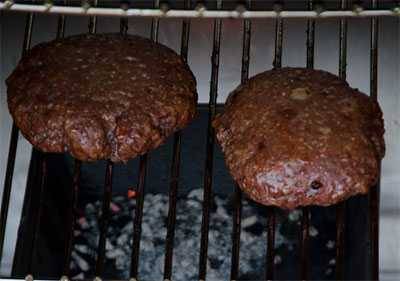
(123, 26)
(237, 221)
(175, 169)
(310, 38)
(271, 213)
(155, 22)
(93, 20)
(171, 220)
(104, 220)
(207, 190)
(270, 257)
(137, 220)
(304, 243)
(61, 26)
(38, 215)
(374, 198)
(271, 221)
(123, 22)
(278, 43)
(175, 13)
(305, 220)
(340, 240)
(72, 217)
(12, 150)
(75, 183)
(237, 214)
(185, 37)
(246, 51)
(341, 207)
(374, 194)
(107, 195)
(343, 43)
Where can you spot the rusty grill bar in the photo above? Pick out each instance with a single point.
(175, 167)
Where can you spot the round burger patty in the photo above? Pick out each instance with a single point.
(295, 137)
(101, 96)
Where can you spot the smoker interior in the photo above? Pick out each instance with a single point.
(59, 187)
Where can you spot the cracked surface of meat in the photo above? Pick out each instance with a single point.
(101, 96)
(295, 137)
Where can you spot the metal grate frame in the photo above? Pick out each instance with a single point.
(187, 13)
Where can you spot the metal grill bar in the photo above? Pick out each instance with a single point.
(93, 20)
(340, 242)
(343, 43)
(43, 174)
(237, 214)
(12, 151)
(155, 22)
(374, 230)
(123, 26)
(278, 43)
(185, 36)
(173, 191)
(72, 217)
(374, 56)
(105, 217)
(237, 222)
(305, 219)
(174, 182)
(137, 222)
(310, 38)
(207, 195)
(61, 24)
(304, 253)
(269, 270)
(246, 51)
(341, 207)
(75, 184)
(374, 194)
(271, 220)
(105, 210)
(173, 13)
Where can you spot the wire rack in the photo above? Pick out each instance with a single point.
(243, 12)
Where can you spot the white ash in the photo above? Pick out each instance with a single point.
(313, 231)
(294, 215)
(330, 244)
(187, 238)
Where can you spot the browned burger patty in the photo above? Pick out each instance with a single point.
(101, 96)
(295, 137)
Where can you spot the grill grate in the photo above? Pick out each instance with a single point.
(175, 167)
